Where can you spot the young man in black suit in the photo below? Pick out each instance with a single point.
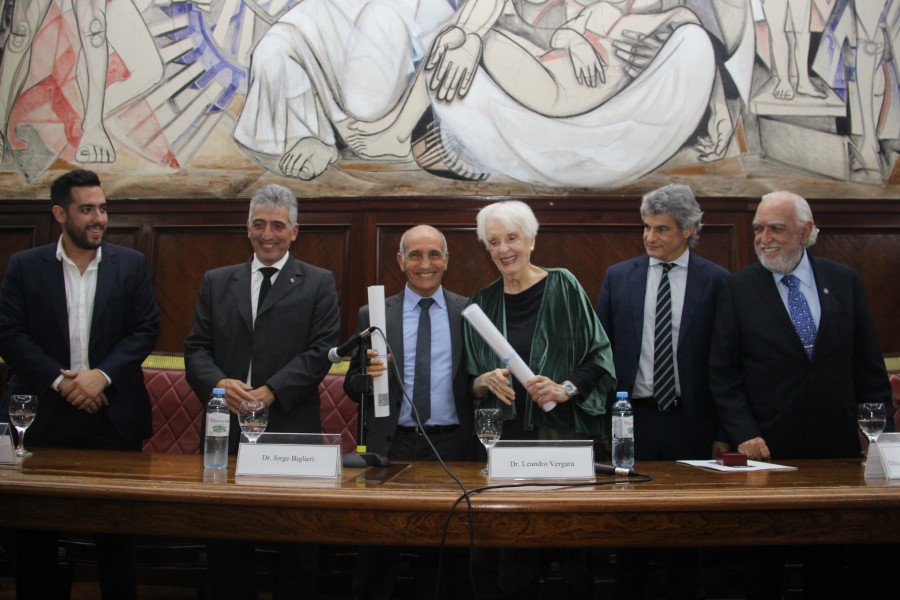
(77, 319)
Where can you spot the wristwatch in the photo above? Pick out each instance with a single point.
(569, 388)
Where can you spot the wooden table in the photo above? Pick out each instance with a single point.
(822, 502)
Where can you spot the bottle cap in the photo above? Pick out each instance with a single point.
(620, 395)
(218, 391)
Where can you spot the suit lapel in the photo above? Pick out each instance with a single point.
(240, 290)
(764, 285)
(697, 280)
(454, 313)
(826, 291)
(55, 286)
(637, 288)
(288, 280)
(106, 278)
(393, 317)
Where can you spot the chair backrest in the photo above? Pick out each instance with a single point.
(338, 412)
(895, 396)
(178, 413)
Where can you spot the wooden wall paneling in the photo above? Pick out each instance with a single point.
(357, 239)
(876, 255)
(182, 254)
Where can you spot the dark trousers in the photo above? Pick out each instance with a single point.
(231, 570)
(377, 567)
(37, 572)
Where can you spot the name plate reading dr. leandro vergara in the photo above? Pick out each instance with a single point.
(542, 460)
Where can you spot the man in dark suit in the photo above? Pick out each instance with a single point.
(685, 426)
(423, 257)
(794, 350)
(275, 351)
(77, 319)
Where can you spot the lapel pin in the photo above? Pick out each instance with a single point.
(292, 281)
(824, 290)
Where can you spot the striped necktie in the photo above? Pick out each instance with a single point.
(663, 355)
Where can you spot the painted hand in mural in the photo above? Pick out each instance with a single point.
(454, 59)
(586, 62)
(637, 49)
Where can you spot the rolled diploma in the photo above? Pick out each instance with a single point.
(511, 359)
(376, 318)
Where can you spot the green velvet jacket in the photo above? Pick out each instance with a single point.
(568, 334)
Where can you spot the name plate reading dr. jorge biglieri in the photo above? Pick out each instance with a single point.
(291, 455)
(563, 459)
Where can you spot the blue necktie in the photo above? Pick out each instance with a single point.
(422, 376)
(800, 314)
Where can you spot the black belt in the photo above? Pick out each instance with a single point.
(676, 405)
(429, 429)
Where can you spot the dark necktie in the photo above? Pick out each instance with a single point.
(798, 307)
(422, 376)
(663, 355)
(267, 273)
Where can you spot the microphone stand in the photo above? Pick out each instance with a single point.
(363, 384)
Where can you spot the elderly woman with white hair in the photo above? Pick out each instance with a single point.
(549, 321)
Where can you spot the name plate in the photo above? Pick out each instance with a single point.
(7, 451)
(884, 457)
(563, 459)
(290, 455)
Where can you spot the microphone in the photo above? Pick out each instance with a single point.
(336, 355)
(611, 470)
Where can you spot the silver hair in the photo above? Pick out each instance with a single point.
(515, 215)
(275, 196)
(678, 202)
(403, 239)
(804, 213)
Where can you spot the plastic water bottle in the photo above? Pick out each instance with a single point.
(622, 432)
(218, 421)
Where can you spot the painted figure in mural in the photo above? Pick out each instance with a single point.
(583, 120)
(135, 47)
(323, 63)
(790, 36)
(558, 60)
(859, 41)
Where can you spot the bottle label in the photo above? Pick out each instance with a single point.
(623, 427)
(217, 424)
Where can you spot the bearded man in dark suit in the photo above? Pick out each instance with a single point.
(794, 350)
(77, 319)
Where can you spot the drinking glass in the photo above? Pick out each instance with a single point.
(488, 427)
(253, 415)
(870, 416)
(22, 409)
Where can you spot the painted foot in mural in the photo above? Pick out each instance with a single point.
(432, 155)
(368, 141)
(95, 147)
(808, 88)
(783, 90)
(307, 159)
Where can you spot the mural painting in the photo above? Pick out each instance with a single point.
(381, 95)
